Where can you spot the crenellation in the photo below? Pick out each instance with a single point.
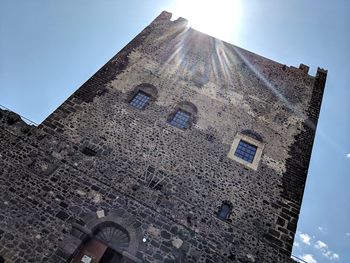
(304, 68)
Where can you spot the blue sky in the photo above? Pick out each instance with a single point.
(48, 48)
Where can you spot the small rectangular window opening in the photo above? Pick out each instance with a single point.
(155, 185)
(181, 119)
(140, 100)
(88, 151)
(224, 211)
(246, 151)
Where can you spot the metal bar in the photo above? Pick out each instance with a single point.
(22, 117)
(299, 259)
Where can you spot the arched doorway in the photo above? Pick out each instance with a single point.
(106, 246)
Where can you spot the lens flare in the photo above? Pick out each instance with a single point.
(218, 18)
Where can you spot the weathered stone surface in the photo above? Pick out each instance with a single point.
(155, 232)
(162, 183)
(177, 242)
(100, 213)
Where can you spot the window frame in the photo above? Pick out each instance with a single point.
(187, 107)
(188, 121)
(246, 151)
(258, 153)
(143, 93)
(229, 212)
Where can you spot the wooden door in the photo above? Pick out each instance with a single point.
(92, 252)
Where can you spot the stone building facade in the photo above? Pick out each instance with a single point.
(182, 148)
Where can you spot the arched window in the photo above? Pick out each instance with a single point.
(253, 135)
(140, 100)
(181, 119)
(184, 115)
(142, 95)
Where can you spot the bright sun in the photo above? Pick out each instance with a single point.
(218, 18)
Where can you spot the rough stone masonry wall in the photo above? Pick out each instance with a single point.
(47, 185)
(234, 91)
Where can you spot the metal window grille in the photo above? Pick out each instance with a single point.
(181, 119)
(140, 100)
(246, 151)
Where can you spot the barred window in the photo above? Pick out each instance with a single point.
(246, 151)
(181, 119)
(140, 100)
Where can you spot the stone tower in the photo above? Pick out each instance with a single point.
(182, 148)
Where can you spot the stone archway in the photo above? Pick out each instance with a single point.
(107, 245)
(114, 237)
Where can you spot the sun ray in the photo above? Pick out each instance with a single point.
(220, 18)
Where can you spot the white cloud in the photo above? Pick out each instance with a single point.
(330, 255)
(348, 234)
(309, 258)
(305, 238)
(322, 229)
(321, 245)
(335, 255)
(348, 155)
